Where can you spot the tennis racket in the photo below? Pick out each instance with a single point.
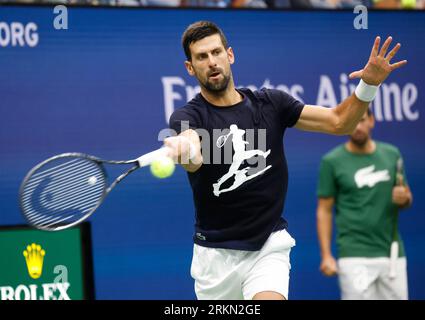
(66, 189)
(394, 245)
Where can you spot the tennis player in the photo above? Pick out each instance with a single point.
(365, 183)
(241, 245)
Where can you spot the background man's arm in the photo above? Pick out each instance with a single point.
(324, 231)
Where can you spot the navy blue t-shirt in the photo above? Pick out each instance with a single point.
(238, 203)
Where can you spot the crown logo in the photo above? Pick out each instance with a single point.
(34, 256)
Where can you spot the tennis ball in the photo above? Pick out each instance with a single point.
(162, 167)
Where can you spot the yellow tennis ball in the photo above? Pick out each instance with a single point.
(162, 167)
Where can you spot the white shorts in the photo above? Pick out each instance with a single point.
(368, 279)
(226, 274)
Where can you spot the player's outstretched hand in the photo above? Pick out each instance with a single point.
(379, 67)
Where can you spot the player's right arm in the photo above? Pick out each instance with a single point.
(328, 264)
(186, 149)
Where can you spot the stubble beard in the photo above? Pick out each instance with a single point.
(217, 87)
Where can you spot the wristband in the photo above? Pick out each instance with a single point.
(365, 92)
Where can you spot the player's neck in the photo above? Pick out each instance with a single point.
(368, 148)
(228, 97)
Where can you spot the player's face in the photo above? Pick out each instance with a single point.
(211, 63)
(361, 134)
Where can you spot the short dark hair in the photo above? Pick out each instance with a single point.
(199, 30)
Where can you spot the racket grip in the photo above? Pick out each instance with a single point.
(148, 158)
(393, 259)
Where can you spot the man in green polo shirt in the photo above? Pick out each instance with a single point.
(365, 181)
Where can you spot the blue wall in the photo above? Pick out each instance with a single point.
(104, 86)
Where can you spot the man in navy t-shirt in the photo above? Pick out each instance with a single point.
(230, 142)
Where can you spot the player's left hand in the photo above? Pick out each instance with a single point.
(379, 67)
(401, 194)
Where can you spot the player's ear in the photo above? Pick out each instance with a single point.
(189, 68)
(230, 55)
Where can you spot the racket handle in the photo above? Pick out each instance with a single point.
(393, 259)
(148, 158)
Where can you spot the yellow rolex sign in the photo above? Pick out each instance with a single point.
(41, 265)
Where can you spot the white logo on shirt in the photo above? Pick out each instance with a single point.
(240, 155)
(366, 177)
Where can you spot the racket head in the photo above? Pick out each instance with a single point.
(221, 141)
(62, 191)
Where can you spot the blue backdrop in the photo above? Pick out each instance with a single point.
(107, 84)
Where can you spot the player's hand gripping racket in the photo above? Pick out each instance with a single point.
(66, 189)
(394, 245)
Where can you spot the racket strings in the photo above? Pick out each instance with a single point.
(60, 171)
(63, 193)
(65, 188)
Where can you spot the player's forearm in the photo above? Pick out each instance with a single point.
(375, 72)
(324, 231)
(349, 112)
